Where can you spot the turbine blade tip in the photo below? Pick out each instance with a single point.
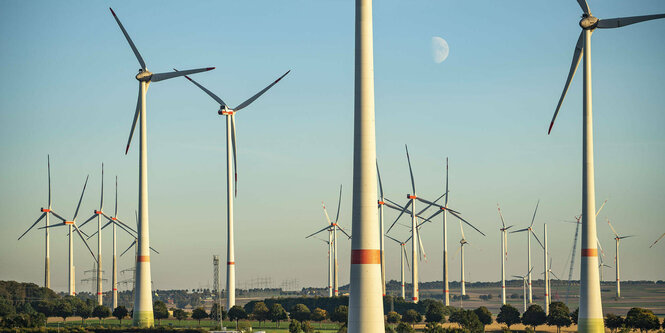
(210, 68)
(127, 149)
(112, 12)
(550, 129)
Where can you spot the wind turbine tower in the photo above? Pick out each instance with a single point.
(365, 301)
(504, 254)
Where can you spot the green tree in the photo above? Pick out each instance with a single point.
(46, 307)
(613, 322)
(120, 312)
(300, 312)
(574, 315)
(236, 313)
(469, 321)
(412, 316)
(6, 307)
(63, 309)
(319, 315)
(294, 326)
(341, 314)
(484, 315)
(559, 316)
(394, 317)
(261, 312)
(534, 316)
(101, 312)
(83, 310)
(404, 328)
(277, 313)
(642, 319)
(180, 314)
(435, 313)
(160, 311)
(198, 314)
(508, 315)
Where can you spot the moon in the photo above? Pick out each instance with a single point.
(440, 49)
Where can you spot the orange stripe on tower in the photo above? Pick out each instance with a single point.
(143, 258)
(364, 257)
(230, 262)
(589, 252)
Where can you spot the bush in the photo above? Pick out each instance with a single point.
(484, 315)
(294, 326)
(300, 312)
(642, 319)
(404, 328)
(341, 314)
(508, 315)
(613, 322)
(393, 317)
(435, 313)
(411, 317)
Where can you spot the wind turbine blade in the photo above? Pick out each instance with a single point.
(81, 198)
(131, 43)
(33, 225)
(584, 6)
(534, 214)
(622, 237)
(215, 97)
(120, 223)
(519, 277)
(394, 239)
(324, 229)
(611, 227)
(530, 270)
(169, 75)
(130, 246)
(434, 215)
(389, 205)
(500, 215)
(115, 214)
(624, 21)
(400, 215)
(136, 118)
(380, 183)
(153, 250)
(344, 231)
(408, 159)
(521, 230)
(136, 214)
(88, 220)
(539, 242)
(101, 201)
(103, 227)
(48, 161)
(58, 216)
(601, 208)
(505, 242)
(554, 275)
(325, 211)
(78, 231)
(126, 230)
(577, 56)
(235, 154)
(253, 98)
(339, 204)
(430, 204)
(462, 230)
(659, 238)
(420, 243)
(406, 257)
(465, 221)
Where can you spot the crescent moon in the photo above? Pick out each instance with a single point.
(440, 49)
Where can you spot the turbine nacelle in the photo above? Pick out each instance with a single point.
(144, 75)
(589, 22)
(225, 111)
(45, 210)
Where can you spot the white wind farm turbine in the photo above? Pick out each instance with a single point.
(332, 238)
(529, 232)
(403, 256)
(524, 277)
(143, 315)
(231, 165)
(72, 226)
(46, 212)
(504, 254)
(462, 243)
(98, 214)
(329, 243)
(381, 202)
(617, 240)
(590, 310)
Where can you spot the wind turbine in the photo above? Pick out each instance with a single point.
(72, 225)
(659, 238)
(504, 254)
(529, 232)
(365, 301)
(549, 284)
(224, 110)
(403, 256)
(332, 235)
(329, 243)
(546, 271)
(617, 240)
(590, 311)
(46, 212)
(142, 314)
(381, 202)
(524, 286)
(446, 290)
(462, 242)
(98, 214)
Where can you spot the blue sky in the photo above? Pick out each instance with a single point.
(67, 89)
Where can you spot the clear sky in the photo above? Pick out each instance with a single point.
(67, 88)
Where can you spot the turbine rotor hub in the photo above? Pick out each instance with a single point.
(589, 22)
(144, 75)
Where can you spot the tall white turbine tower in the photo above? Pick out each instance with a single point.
(403, 256)
(524, 277)
(365, 301)
(504, 254)
(142, 315)
(382, 202)
(546, 271)
(462, 242)
(98, 214)
(231, 166)
(529, 232)
(591, 312)
(46, 212)
(617, 240)
(446, 290)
